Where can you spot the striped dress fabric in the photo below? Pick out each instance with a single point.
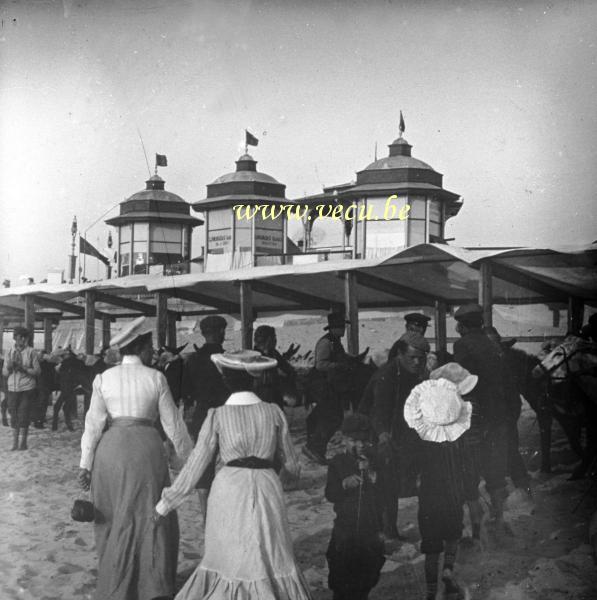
(248, 547)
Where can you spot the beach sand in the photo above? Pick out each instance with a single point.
(44, 555)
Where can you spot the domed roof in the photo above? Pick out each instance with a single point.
(398, 162)
(246, 170)
(155, 191)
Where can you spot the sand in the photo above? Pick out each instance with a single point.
(44, 555)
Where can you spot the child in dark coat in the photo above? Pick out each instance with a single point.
(356, 552)
(436, 410)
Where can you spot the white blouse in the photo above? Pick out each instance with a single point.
(132, 390)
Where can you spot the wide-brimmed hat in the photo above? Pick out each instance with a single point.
(138, 327)
(335, 320)
(458, 375)
(435, 410)
(251, 361)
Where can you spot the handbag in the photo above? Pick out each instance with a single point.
(82, 511)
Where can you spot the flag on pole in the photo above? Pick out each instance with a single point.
(401, 127)
(250, 139)
(86, 248)
(161, 160)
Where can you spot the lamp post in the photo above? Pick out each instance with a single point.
(73, 258)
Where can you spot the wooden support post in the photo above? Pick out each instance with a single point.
(1, 332)
(246, 315)
(576, 309)
(352, 312)
(89, 321)
(161, 302)
(48, 322)
(172, 318)
(30, 316)
(441, 343)
(485, 293)
(106, 334)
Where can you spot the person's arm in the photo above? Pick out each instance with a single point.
(172, 420)
(285, 366)
(285, 449)
(382, 411)
(463, 355)
(207, 445)
(7, 366)
(94, 425)
(34, 370)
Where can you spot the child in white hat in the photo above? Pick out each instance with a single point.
(437, 412)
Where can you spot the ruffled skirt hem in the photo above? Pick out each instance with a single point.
(205, 584)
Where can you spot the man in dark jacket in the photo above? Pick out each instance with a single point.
(204, 388)
(482, 357)
(270, 384)
(396, 441)
(332, 366)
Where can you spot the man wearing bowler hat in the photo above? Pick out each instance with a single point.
(482, 357)
(332, 364)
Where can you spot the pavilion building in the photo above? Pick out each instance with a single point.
(154, 232)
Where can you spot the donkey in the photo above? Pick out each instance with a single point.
(570, 369)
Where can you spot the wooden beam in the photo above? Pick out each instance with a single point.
(1, 332)
(30, 316)
(48, 323)
(416, 298)
(440, 326)
(246, 315)
(576, 310)
(516, 277)
(352, 311)
(89, 321)
(171, 334)
(106, 333)
(304, 299)
(485, 293)
(161, 301)
(225, 306)
(142, 307)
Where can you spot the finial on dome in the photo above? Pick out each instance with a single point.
(401, 127)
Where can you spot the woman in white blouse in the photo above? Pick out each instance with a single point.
(248, 548)
(127, 469)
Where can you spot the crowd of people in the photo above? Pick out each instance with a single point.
(427, 424)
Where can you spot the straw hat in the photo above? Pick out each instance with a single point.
(435, 410)
(131, 332)
(244, 360)
(458, 375)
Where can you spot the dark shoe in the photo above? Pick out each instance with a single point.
(452, 591)
(314, 456)
(578, 473)
(70, 427)
(4, 421)
(38, 425)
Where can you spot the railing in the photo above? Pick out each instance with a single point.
(311, 256)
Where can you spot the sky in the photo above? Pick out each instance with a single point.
(497, 96)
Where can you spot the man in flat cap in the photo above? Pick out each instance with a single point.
(482, 357)
(396, 441)
(203, 387)
(332, 365)
(415, 323)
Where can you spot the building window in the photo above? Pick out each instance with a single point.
(124, 250)
(219, 234)
(140, 242)
(165, 244)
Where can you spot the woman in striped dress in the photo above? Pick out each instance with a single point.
(127, 469)
(248, 548)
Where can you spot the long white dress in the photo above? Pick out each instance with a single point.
(248, 548)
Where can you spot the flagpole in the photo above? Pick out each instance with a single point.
(246, 143)
(85, 257)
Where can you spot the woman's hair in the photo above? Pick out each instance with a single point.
(237, 381)
(137, 345)
(263, 333)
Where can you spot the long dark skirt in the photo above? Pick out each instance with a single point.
(137, 559)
